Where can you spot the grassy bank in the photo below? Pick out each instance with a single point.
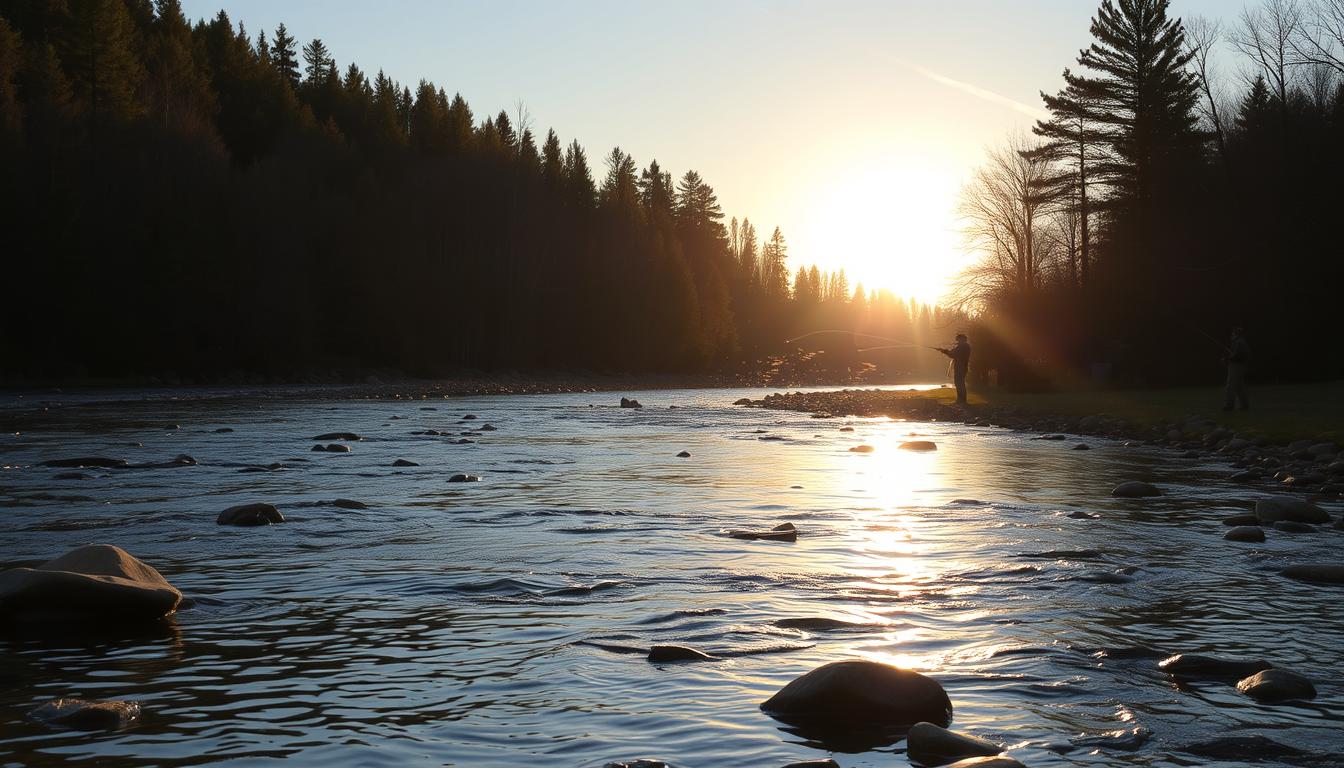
(1280, 413)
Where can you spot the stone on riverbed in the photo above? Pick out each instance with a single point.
(1192, 666)
(95, 581)
(338, 436)
(858, 693)
(918, 445)
(86, 461)
(997, 761)
(1276, 508)
(87, 714)
(250, 515)
(1288, 526)
(1317, 573)
(931, 745)
(1249, 533)
(641, 763)
(1277, 685)
(661, 653)
(1135, 489)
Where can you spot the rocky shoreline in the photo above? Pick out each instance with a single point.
(1307, 465)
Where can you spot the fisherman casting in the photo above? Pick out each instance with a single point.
(1238, 359)
(960, 354)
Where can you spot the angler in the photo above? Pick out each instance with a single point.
(960, 353)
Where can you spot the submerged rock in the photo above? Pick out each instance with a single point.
(997, 761)
(857, 693)
(742, 401)
(1248, 533)
(641, 763)
(862, 449)
(404, 463)
(1288, 526)
(684, 455)
(463, 478)
(71, 476)
(1317, 573)
(1078, 514)
(337, 448)
(86, 461)
(932, 745)
(918, 445)
(775, 534)
(816, 624)
(223, 430)
(1135, 489)
(1192, 666)
(630, 403)
(97, 581)
(1241, 748)
(337, 436)
(1277, 685)
(348, 504)
(247, 515)
(1276, 508)
(659, 653)
(87, 714)
(1082, 447)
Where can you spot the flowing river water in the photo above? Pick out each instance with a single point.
(500, 622)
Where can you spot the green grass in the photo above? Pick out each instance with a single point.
(1277, 412)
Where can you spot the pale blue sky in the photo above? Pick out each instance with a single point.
(839, 121)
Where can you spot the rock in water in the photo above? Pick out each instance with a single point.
(1247, 533)
(641, 763)
(348, 504)
(86, 461)
(827, 763)
(862, 449)
(1275, 508)
(1289, 526)
(1277, 685)
(858, 693)
(998, 761)
(918, 445)
(97, 581)
(1317, 573)
(932, 745)
(338, 436)
(742, 401)
(677, 653)
(1192, 666)
(630, 403)
(250, 515)
(87, 714)
(1135, 489)
(788, 534)
(404, 463)
(337, 448)
(462, 478)
(1241, 748)
(684, 455)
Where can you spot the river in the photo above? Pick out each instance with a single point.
(488, 623)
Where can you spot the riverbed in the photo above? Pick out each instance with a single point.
(503, 622)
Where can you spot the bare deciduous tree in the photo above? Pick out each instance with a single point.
(1320, 38)
(1202, 37)
(1269, 36)
(1000, 208)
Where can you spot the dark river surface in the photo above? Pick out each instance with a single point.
(484, 624)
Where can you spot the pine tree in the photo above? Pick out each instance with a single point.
(619, 191)
(179, 90)
(318, 62)
(1142, 96)
(655, 190)
(101, 59)
(774, 273)
(283, 56)
(578, 177)
(552, 160)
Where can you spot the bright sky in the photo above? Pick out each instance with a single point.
(851, 125)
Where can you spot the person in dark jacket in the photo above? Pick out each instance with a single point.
(961, 362)
(1238, 360)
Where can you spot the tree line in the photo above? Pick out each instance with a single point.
(192, 199)
(1164, 201)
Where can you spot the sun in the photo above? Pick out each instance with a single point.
(888, 225)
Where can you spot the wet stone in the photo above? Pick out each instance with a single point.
(932, 745)
(1247, 533)
(665, 653)
(1135, 489)
(247, 515)
(1288, 526)
(87, 714)
(861, 692)
(1277, 685)
(1192, 666)
(918, 446)
(464, 478)
(404, 463)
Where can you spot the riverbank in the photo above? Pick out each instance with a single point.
(1290, 438)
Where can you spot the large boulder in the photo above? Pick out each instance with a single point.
(87, 715)
(1275, 508)
(1193, 666)
(249, 515)
(1135, 489)
(932, 745)
(862, 693)
(1277, 685)
(1317, 573)
(97, 581)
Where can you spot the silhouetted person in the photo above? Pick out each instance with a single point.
(1238, 358)
(961, 361)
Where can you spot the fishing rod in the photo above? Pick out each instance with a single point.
(903, 345)
(852, 333)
